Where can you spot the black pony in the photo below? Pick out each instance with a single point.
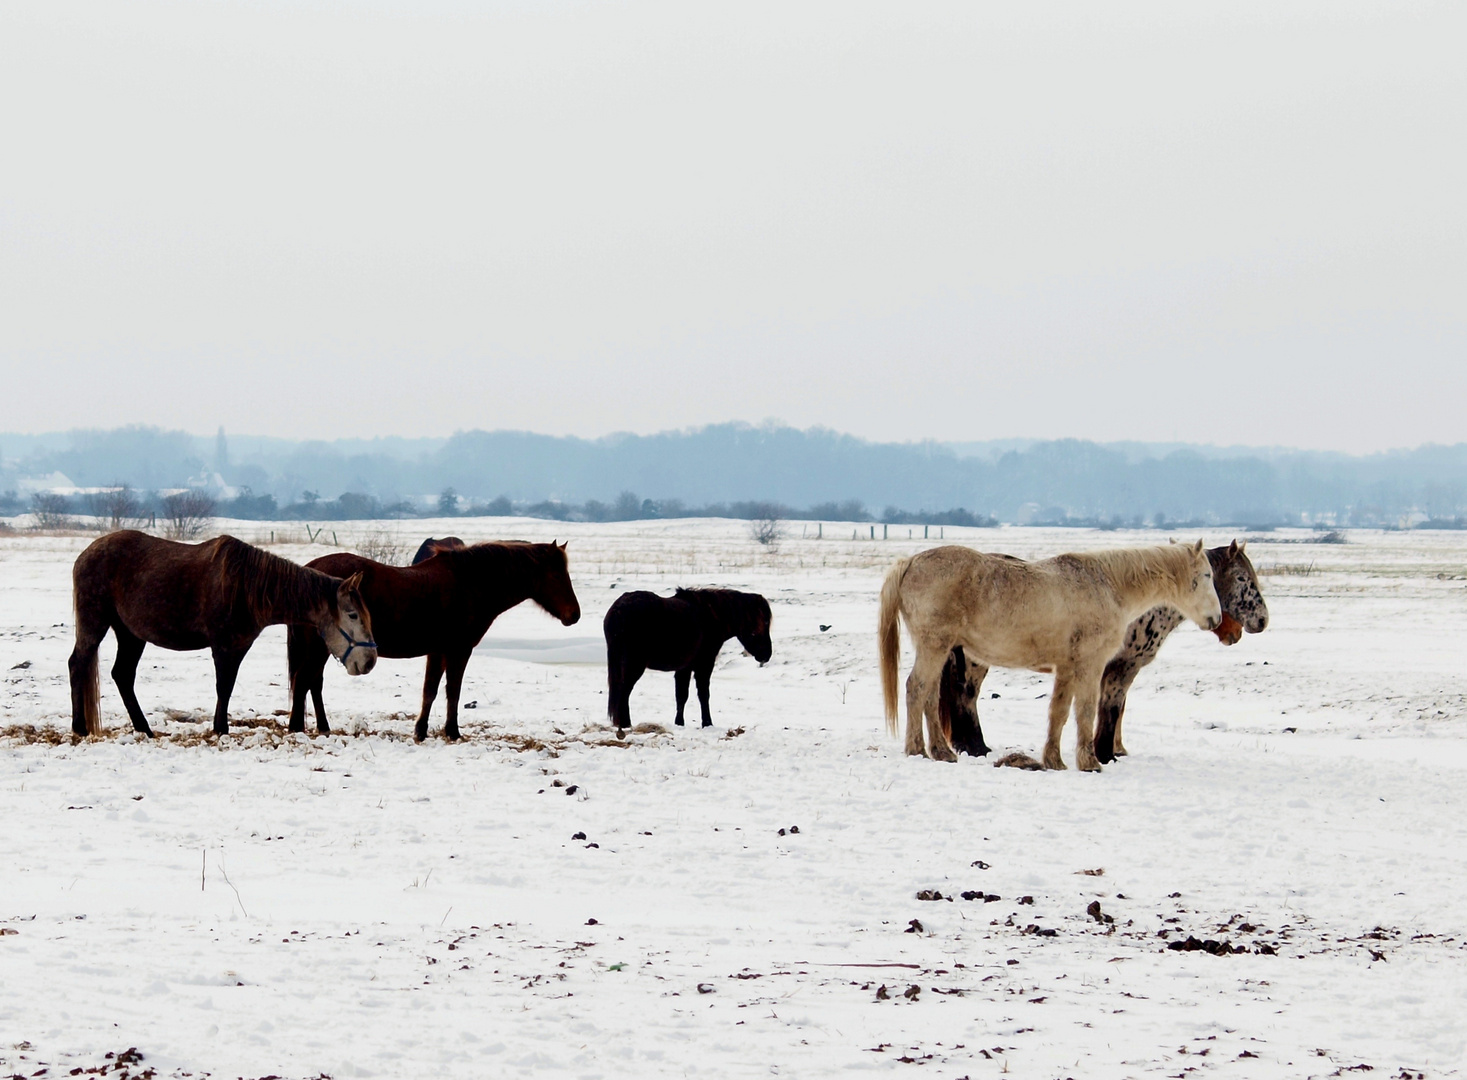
(682, 634)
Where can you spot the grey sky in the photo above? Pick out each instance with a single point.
(1216, 223)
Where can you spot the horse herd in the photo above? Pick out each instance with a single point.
(1092, 619)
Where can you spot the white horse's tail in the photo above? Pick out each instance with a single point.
(889, 640)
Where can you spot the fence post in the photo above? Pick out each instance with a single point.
(820, 531)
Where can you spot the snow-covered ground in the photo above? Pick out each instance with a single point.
(358, 905)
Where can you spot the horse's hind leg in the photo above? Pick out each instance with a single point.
(703, 674)
(124, 674)
(85, 694)
(431, 676)
(680, 682)
(226, 670)
(922, 690)
(622, 674)
(1059, 712)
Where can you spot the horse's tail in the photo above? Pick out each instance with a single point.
(889, 640)
(91, 690)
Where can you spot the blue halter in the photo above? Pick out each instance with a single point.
(355, 644)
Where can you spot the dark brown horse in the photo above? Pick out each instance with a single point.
(438, 608)
(682, 634)
(217, 595)
(1243, 608)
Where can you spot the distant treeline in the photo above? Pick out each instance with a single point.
(726, 469)
(123, 507)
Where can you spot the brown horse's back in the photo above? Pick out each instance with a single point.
(156, 588)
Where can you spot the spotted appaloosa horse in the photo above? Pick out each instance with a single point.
(1066, 615)
(1243, 608)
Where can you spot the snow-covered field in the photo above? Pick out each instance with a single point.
(358, 905)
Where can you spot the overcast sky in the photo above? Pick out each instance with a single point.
(1220, 223)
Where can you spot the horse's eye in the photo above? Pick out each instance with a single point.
(353, 616)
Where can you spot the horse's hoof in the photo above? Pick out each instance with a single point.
(943, 753)
(1120, 750)
(678, 721)
(621, 733)
(1086, 762)
(1054, 761)
(297, 729)
(420, 732)
(451, 734)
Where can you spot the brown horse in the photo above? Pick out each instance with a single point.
(217, 595)
(438, 608)
(1243, 609)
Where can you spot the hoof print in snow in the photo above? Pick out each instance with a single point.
(979, 863)
(979, 894)
(1095, 913)
(914, 927)
(469, 705)
(705, 988)
(1099, 871)
(1026, 900)
(578, 836)
(930, 894)
(592, 922)
(1039, 931)
(572, 789)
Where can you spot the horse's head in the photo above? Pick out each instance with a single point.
(1199, 601)
(346, 627)
(753, 631)
(553, 590)
(1237, 590)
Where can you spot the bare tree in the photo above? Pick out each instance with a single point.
(383, 547)
(187, 514)
(50, 510)
(766, 527)
(117, 507)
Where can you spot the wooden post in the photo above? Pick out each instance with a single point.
(820, 531)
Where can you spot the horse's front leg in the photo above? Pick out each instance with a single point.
(226, 670)
(922, 688)
(432, 673)
(1087, 694)
(456, 665)
(1059, 712)
(1114, 684)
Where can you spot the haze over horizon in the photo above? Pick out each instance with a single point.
(1147, 223)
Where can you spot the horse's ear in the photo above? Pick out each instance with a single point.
(1197, 547)
(1233, 550)
(1241, 546)
(565, 545)
(353, 583)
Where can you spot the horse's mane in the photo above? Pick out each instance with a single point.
(721, 601)
(261, 582)
(515, 550)
(1143, 566)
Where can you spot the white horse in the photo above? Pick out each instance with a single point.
(1066, 615)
